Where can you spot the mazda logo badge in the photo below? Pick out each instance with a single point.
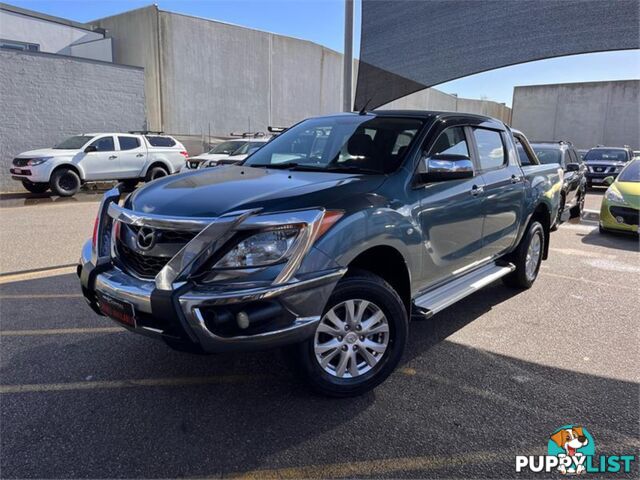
(146, 238)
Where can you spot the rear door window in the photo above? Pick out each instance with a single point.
(128, 143)
(491, 153)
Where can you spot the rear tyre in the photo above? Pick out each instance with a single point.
(578, 208)
(35, 187)
(155, 172)
(527, 258)
(65, 182)
(359, 340)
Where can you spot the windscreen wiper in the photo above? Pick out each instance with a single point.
(352, 168)
(282, 166)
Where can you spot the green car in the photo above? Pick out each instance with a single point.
(620, 210)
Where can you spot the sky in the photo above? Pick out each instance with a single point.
(322, 21)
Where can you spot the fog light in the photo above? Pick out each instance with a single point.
(243, 320)
(619, 219)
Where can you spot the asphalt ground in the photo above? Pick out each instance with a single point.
(481, 382)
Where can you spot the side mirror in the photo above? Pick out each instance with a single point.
(442, 167)
(573, 167)
(91, 148)
(608, 180)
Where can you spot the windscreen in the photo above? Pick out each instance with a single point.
(548, 155)
(73, 143)
(608, 154)
(362, 143)
(631, 172)
(226, 148)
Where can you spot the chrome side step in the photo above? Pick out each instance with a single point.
(446, 295)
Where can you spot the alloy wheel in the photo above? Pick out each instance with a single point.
(533, 256)
(351, 338)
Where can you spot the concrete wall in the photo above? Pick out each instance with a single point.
(205, 76)
(46, 98)
(135, 42)
(51, 36)
(433, 99)
(586, 114)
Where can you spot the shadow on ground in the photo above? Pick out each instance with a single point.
(454, 402)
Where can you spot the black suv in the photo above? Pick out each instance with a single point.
(574, 186)
(603, 162)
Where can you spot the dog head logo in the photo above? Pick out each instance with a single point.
(571, 444)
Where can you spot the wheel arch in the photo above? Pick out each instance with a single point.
(394, 269)
(70, 166)
(158, 163)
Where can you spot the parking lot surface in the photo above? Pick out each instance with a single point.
(481, 382)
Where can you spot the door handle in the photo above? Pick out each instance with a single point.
(112, 157)
(515, 179)
(140, 155)
(477, 190)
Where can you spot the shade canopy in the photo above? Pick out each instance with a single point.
(410, 45)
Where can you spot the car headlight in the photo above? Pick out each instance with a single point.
(261, 249)
(212, 163)
(38, 161)
(614, 196)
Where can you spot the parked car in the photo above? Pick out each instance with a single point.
(238, 155)
(221, 150)
(605, 162)
(620, 209)
(90, 157)
(636, 154)
(574, 186)
(330, 252)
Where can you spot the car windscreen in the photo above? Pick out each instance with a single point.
(227, 148)
(247, 147)
(548, 155)
(73, 143)
(362, 143)
(631, 173)
(609, 154)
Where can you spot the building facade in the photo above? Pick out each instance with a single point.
(586, 114)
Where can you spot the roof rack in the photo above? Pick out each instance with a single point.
(248, 134)
(146, 132)
(561, 142)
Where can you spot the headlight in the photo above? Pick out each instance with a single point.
(212, 163)
(38, 161)
(260, 249)
(614, 196)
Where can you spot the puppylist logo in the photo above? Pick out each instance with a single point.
(571, 450)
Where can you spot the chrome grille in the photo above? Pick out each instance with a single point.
(148, 261)
(21, 162)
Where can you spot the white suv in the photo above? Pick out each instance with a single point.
(91, 157)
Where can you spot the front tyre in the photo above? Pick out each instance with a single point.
(35, 187)
(65, 182)
(527, 258)
(359, 340)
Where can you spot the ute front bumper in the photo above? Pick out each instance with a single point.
(208, 317)
(243, 313)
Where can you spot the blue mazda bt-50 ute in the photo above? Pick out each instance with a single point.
(327, 240)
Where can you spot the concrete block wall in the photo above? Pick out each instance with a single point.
(586, 114)
(45, 98)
